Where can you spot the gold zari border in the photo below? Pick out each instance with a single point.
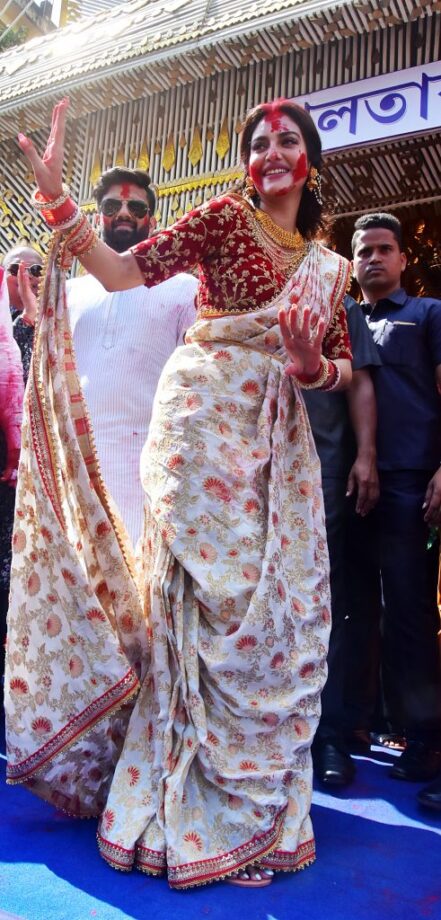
(260, 850)
(97, 710)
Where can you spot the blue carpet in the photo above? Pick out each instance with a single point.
(379, 858)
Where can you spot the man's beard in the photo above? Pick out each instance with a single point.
(122, 240)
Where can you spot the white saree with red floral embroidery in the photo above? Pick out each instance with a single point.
(218, 715)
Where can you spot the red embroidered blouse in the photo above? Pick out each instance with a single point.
(235, 273)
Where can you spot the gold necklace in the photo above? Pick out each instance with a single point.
(285, 250)
(284, 238)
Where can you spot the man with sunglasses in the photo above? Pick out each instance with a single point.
(23, 315)
(33, 263)
(122, 340)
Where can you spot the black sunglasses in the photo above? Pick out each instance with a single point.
(111, 206)
(34, 270)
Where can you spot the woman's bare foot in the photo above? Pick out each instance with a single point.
(252, 877)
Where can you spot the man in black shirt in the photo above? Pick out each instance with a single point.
(407, 332)
(343, 425)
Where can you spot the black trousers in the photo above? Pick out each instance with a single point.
(397, 620)
(4, 596)
(338, 510)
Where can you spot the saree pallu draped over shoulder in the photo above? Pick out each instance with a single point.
(77, 638)
(203, 738)
(215, 771)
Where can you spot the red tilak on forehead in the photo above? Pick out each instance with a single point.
(273, 113)
(125, 190)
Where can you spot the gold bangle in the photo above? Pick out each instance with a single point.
(330, 385)
(88, 245)
(51, 205)
(77, 227)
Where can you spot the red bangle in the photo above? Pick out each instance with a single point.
(304, 378)
(61, 214)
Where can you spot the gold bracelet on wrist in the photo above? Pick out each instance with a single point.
(51, 205)
(334, 377)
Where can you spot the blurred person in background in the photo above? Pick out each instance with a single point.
(11, 402)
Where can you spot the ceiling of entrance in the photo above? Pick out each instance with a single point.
(383, 176)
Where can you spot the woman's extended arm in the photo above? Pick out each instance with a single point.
(116, 271)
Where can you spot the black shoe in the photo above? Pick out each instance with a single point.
(430, 796)
(332, 766)
(358, 741)
(418, 763)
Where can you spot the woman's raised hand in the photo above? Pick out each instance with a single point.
(302, 339)
(48, 169)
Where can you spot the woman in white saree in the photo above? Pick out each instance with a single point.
(197, 741)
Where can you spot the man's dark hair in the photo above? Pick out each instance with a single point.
(120, 174)
(381, 220)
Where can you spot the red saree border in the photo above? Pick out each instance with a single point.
(341, 284)
(152, 862)
(212, 870)
(260, 848)
(43, 451)
(113, 699)
(285, 861)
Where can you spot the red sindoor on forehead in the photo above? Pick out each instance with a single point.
(125, 190)
(273, 113)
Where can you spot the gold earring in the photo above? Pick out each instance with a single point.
(250, 189)
(314, 183)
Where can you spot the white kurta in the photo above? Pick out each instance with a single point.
(122, 341)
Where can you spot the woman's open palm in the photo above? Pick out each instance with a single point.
(302, 338)
(48, 169)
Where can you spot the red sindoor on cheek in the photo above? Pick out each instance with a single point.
(301, 169)
(255, 172)
(106, 220)
(299, 172)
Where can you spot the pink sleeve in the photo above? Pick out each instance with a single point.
(11, 376)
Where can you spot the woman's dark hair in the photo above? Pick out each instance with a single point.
(119, 174)
(310, 217)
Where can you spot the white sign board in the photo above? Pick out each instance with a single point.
(400, 103)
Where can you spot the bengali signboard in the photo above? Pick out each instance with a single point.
(393, 105)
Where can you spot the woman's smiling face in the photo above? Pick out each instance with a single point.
(278, 160)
